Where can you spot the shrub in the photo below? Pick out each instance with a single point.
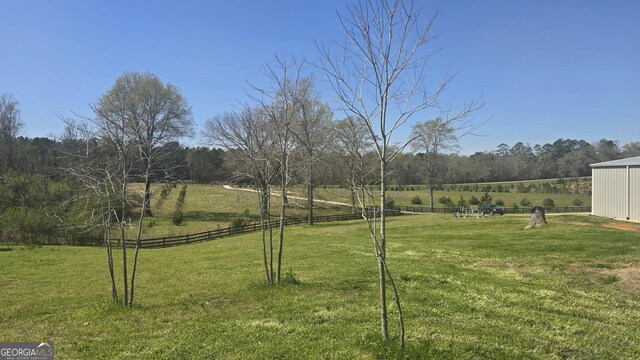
(181, 196)
(548, 203)
(177, 217)
(389, 202)
(500, 202)
(446, 202)
(485, 198)
(416, 200)
(239, 222)
(525, 202)
(577, 202)
(462, 202)
(474, 200)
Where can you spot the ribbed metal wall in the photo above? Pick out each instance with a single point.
(634, 198)
(611, 196)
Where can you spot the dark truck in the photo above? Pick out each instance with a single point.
(491, 209)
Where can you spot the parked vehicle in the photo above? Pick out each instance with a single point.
(492, 209)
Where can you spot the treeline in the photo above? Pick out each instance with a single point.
(564, 158)
(47, 157)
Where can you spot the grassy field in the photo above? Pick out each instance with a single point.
(208, 207)
(471, 288)
(403, 198)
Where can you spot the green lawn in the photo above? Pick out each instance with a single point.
(403, 198)
(208, 207)
(471, 288)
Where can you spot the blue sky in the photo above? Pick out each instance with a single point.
(546, 69)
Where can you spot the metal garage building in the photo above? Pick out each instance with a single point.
(616, 189)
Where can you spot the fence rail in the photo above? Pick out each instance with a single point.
(166, 241)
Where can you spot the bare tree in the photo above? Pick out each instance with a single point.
(280, 101)
(351, 144)
(149, 114)
(10, 126)
(250, 147)
(433, 137)
(311, 130)
(380, 80)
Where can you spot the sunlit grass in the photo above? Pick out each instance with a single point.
(471, 288)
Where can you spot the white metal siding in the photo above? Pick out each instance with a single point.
(614, 197)
(608, 194)
(634, 193)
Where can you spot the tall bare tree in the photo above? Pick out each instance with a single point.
(250, 147)
(150, 114)
(352, 145)
(433, 137)
(10, 126)
(379, 78)
(311, 130)
(279, 101)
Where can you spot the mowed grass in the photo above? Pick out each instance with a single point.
(471, 288)
(403, 198)
(209, 207)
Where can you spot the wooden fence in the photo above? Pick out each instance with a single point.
(166, 241)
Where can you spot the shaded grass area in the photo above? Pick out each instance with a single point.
(471, 288)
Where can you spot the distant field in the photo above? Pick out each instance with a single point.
(471, 288)
(208, 207)
(404, 197)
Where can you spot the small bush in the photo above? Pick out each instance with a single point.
(474, 200)
(181, 196)
(485, 198)
(525, 202)
(500, 202)
(446, 202)
(462, 202)
(240, 222)
(416, 200)
(548, 203)
(390, 202)
(177, 217)
(577, 202)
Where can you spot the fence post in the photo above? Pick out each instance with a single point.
(164, 241)
(187, 238)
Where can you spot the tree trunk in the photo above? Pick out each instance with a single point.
(147, 197)
(353, 199)
(145, 207)
(537, 217)
(382, 255)
(431, 197)
(124, 263)
(310, 203)
(264, 214)
(281, 236)
(107, 242)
